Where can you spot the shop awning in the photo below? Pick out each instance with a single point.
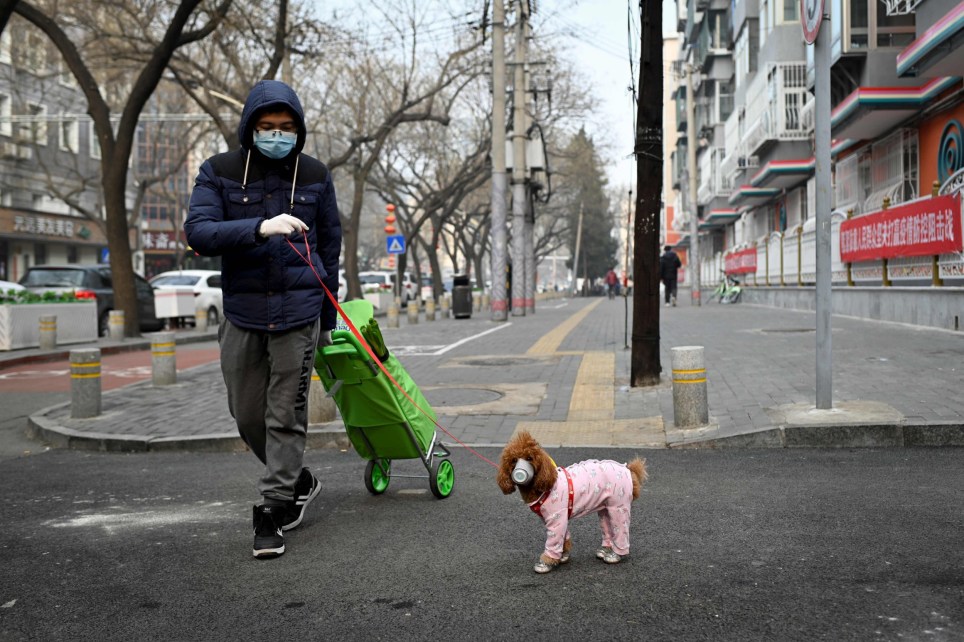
(747, 195)
(869, 112)
(784, 173)
(939, 50)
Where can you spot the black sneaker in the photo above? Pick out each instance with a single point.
(268, 540)
(306, 489)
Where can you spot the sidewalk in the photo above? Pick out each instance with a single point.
(563, 373)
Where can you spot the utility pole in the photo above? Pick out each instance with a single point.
(694, 251)
(575, 256)
(519, 199)
(529, 244)
(498, 230)
(648, 149)
(629, 227)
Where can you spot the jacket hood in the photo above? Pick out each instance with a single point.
(270, 95)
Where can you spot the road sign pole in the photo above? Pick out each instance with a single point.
(813, 15)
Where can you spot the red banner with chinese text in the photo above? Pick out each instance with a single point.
(742, 262)
(924, 227)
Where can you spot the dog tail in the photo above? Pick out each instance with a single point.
(637, 468)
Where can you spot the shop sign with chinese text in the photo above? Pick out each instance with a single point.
(925, 227)
(742, 262)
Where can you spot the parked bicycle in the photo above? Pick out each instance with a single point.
(728, 290)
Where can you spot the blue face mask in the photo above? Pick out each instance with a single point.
(275, 144)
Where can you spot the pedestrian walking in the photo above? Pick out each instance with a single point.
(247, 206)
(669, 265)
(612, 283)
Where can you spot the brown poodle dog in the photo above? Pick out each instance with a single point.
(605, 487)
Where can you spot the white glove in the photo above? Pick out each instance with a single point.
(324, 339)
(281, 224)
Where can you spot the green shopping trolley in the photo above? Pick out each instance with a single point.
(382, 422)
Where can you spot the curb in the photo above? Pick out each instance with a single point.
(41, 428)
(875, 435)
(132, 345)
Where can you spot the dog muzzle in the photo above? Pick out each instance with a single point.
(523, 472)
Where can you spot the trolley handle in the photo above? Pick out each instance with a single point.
(350, 338)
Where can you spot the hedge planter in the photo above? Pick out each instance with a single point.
(20, 323)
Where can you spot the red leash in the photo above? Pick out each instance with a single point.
(371, 353)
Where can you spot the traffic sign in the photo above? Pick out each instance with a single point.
(395, 244)
(811, 16)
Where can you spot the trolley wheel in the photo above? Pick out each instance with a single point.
(442, 479)
(377, 477)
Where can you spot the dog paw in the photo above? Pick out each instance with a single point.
(542, 567)
(607, 555)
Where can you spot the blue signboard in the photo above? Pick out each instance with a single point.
(395, 244)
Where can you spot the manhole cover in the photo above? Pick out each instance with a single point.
(441, 397)
(787, 330)
(499, 361)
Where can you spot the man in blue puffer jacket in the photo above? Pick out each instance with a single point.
(257, 207)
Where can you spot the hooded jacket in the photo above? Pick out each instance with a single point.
(266, 285)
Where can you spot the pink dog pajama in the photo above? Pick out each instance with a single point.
(604, 487)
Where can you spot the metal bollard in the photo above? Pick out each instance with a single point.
(412, 308)
(84, 383)
(444, 304)
(163, 360)
(115, 323)
(476, 302)
(689, 387)
(201, 319)
(392, 316)
(430, 309)
(485, 301)
(48, 331)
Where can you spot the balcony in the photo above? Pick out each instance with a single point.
(777, 107)
(713, 39)
(713, 183)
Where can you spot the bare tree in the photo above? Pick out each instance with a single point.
(429, 174)
(164, 28)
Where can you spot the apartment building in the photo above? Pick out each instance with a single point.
(49, 160)
(897, 112)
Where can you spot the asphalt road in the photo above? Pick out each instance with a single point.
(727, 545)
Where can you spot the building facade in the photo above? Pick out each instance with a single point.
(897, 111)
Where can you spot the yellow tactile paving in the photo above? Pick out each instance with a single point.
(647, 432)
(593, 396)
(549, 343)
(590, 420)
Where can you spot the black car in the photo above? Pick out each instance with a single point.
(92, 281)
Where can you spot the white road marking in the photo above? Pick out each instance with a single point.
(436, 350)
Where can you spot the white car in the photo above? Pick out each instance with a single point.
(384, 281)
(206, 285)
(6, 286)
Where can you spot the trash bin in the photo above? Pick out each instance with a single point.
(461, 297)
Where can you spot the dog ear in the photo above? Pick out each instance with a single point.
(504, 477)
(506, 463)
(546, 472)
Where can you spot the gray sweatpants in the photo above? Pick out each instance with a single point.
(267, 375)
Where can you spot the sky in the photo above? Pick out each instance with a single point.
(596, 37)
(600, 48)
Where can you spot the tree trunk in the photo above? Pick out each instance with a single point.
(644, 362)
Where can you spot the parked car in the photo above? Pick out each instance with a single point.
(92, 282)
(428, 290)
(7, 286)
(378, 281)
(206, 285)
(342, 286)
